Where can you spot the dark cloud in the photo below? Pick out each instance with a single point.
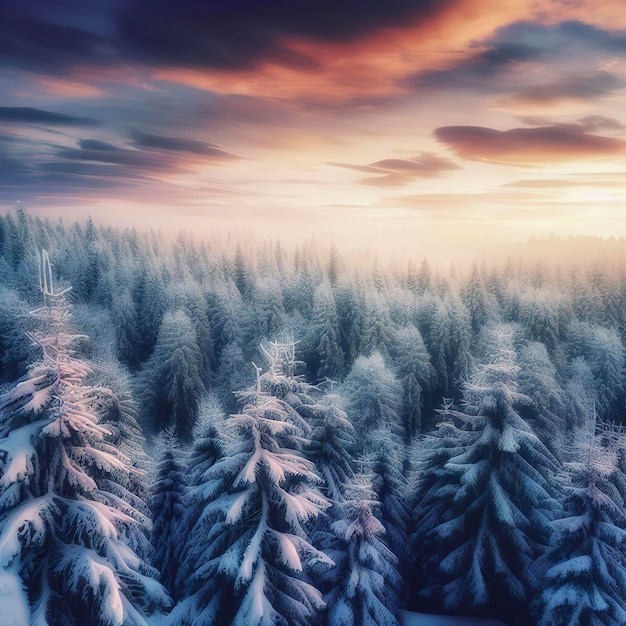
(572, 87)
(528, 146)
(493, 69)
(396, 172)
(28, 115)
(244, 33)
(53, 36)
(480, 72)
(102, 152)
(178, 144)
(42, 36)
(93, 164)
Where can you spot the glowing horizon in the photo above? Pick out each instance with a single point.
(409, 125)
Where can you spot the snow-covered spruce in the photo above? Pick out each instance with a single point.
(331, 446)
(60, 537)
(167, 508)
(361, 589)
(249, 549)
(585, 568)
(330, 437)
(116, 407)
(171, 383)
(495, 495)
(208, 447)
(384, 458)
(372, 396)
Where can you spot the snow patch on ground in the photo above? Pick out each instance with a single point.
(419, 619)
(14, 610)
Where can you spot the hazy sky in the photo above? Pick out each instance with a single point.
(394, 124)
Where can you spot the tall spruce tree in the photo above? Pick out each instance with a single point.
(249, 550)
(584, 571)
(361, 588)
(495, 492)
(167, 508)
(60, 523)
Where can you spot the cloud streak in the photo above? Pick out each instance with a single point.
(397, 172)
(29, 115)
(559, 143)
(179, 144)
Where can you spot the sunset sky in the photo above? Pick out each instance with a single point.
(402, 125)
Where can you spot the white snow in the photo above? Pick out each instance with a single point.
(15, 610)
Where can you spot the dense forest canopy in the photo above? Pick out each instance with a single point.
(391, 407)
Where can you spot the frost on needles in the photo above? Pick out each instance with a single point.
(62, 526)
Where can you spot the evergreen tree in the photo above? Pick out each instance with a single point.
(361, 588)
(61, 531)
(585, 567)
(171, 381)
(249, 549)
(208, 448)
(385, 460)
(167, 508)
(495, 492)
(327, 358)
(415, 373)
(331, 447)
(371, 394)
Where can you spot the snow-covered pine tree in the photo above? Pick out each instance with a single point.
(385, 460)
(116, 408)
(372, 395)
(167, 508)
(495, 493)
(60, 527)
(328, 355)
(584, 571)
(208, 447)
(431, 490)
(249, 550)
(171, 383)
(415, 372)
(331, 446)
(361, 588)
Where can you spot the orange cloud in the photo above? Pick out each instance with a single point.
(370, 67)
(62, 88)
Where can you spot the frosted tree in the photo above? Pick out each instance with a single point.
(249, 550)
(116, 408)
(539, 380)
(585, 567)
(332, 443)
(208, 447)
(476, 299)
(167, 507)
(171, 382)
(385, 459)
(431, 490)
(124, 314)
(361, 588)
(328, 355)
(234, 373)
(495, 492)
(61, 526)
(372, 394)
(208, 443)
(415, 372)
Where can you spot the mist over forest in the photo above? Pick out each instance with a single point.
(249, 432)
